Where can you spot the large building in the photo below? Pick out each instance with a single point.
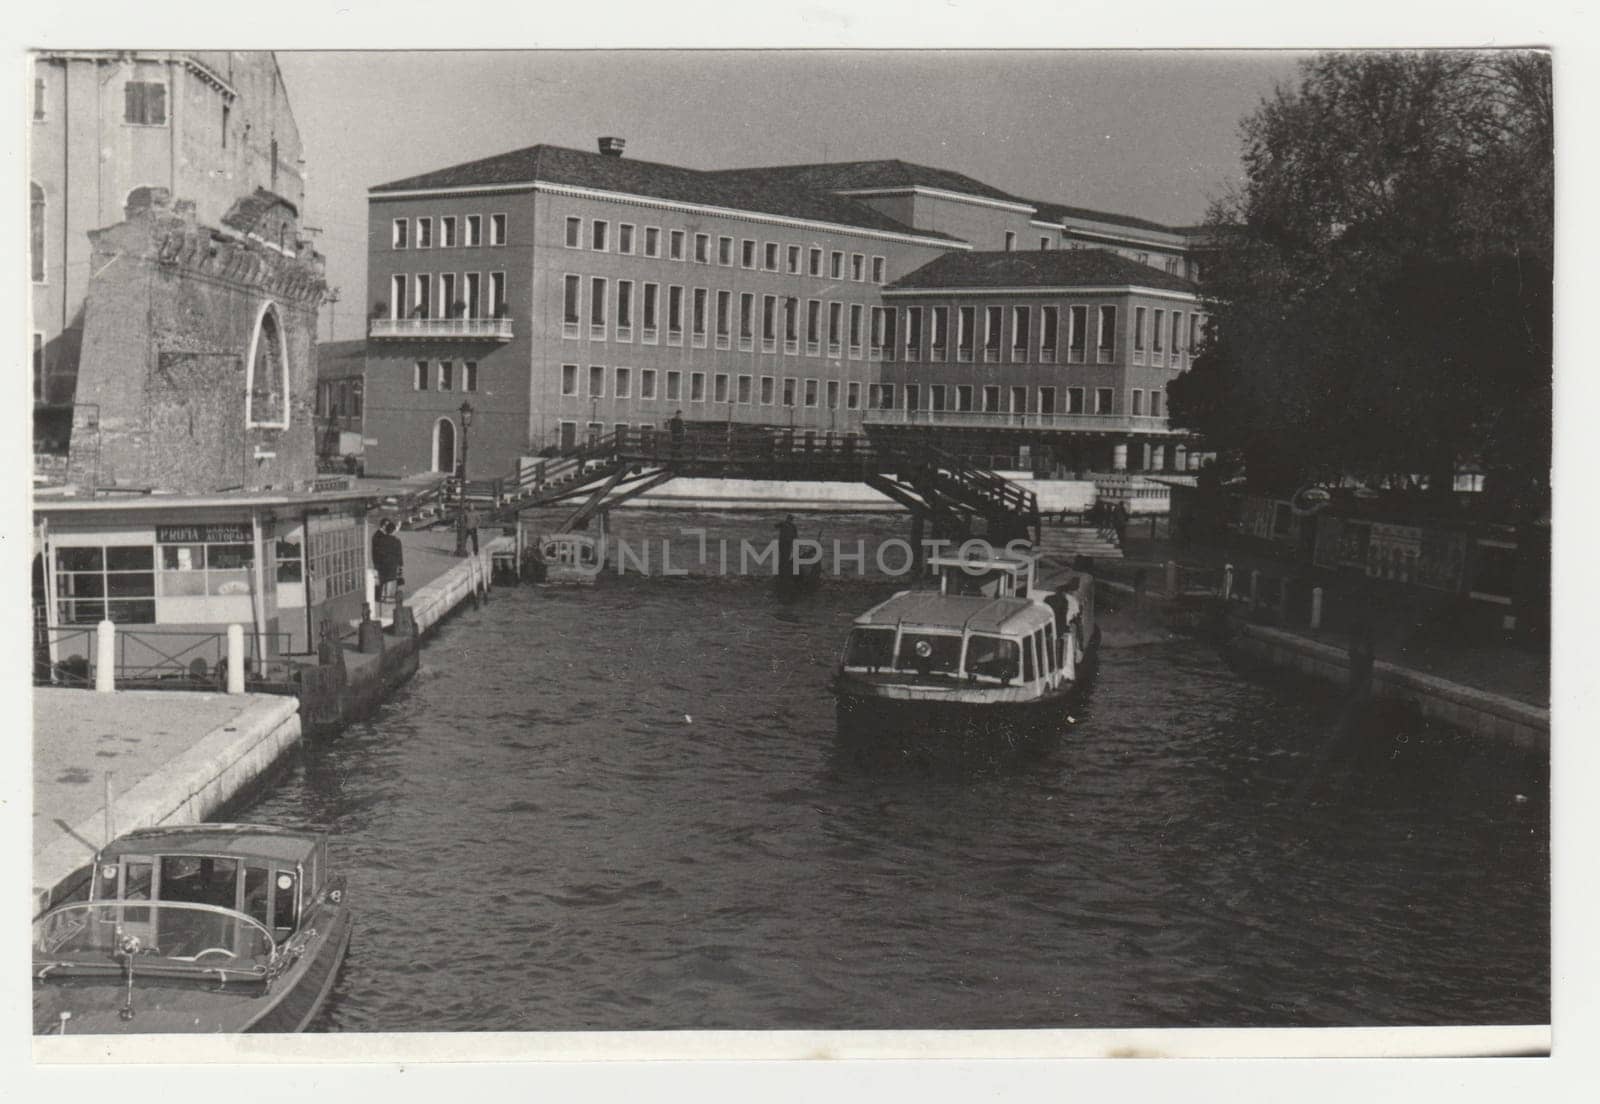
(117, 132)
(563, 293)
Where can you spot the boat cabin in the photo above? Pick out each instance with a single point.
(995, 575)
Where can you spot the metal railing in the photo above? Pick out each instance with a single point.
(164, 658)
(1103, 423)
(494, 329)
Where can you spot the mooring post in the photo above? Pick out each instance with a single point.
(1172, 577)
(1283, 601)
(1227, 581)
(105, 657)
(235, 659)
(1316, 607)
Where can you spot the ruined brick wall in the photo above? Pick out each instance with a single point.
(173, 311)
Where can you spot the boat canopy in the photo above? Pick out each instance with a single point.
(282, 845)
(166, 938)
(925, 609)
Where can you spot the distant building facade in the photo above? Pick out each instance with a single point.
(116, 132)
(564, 293)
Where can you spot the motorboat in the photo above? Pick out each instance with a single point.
(194, 928)
(994, 651)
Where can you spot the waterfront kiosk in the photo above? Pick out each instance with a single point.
(173, 572)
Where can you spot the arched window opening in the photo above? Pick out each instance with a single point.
(267, 396)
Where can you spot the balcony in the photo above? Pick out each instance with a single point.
(982, 419)
(469, 329)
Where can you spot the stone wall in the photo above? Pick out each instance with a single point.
(174, 315)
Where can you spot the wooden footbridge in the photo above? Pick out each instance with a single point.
(947, 498)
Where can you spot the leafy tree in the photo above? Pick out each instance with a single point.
(1380, 283)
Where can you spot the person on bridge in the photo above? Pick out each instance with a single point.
(787, 532)
(676, 430)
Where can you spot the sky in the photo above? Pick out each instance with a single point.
(1147, 133)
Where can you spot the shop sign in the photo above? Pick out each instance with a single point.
(203, 534)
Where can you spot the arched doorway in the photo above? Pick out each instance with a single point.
(444, 446)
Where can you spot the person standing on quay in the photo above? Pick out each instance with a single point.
(786, 538)
(469, 523)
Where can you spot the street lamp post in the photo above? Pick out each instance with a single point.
(461, 482)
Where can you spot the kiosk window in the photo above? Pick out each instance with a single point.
(114, 583)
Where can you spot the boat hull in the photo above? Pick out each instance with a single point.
(165, 1006)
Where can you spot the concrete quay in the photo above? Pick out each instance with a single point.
(177, 757)
(174, 758)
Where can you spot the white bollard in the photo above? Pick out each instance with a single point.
(1316, 607)
(235, 659)
(372, 590)
(105, 657)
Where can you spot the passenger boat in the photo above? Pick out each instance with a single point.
(573, 559)
(194, 928)
(993, 652)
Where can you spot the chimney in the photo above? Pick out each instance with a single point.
(612, 147)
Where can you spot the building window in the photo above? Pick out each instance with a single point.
(1074, 400)
(1155, 404)
(913, 397)
(497, 229)
(599, 233)
(625, 237)
(266, 402)
(570, 306)
(1077, 333)
(419, 378)
(38, 107)
(836, 265)
(144, 103)
(719, 386)
(569, 380)
(1177, 331)
(816, 262)
(725, 251)
(789, 383)
(1159, 320)
(448, 301)
(674, 385)
(913, 333)
(625, 310)
(858, 267)
(991, 398)
(400, 235)
(724, 317)
(697, 387)
(447, 374)
(964, 397)
(574, 233)
(697, 316)
(1044, 243)
(117, 583)
(1102, 400)
(813, 325)
(652, 241)
(1011, 241)
(425, 233)
(1019, 400)
(675, 245)
(744, 390)
(747, 319)
(652, 310)
(597, 381)
(1021, 323)
(36, 213)
(597, 306)
(422, 297)
(447, 232)
(791, 323)
(1047, 400)
(835, 324)
(993, 318)
(1108, 333)
(852, 396)
(794, 260)
(877, 270)
(674, 312)
(622, 383)
(702, 249)
(474, 228)
(1137, 405)
(936, 397)
(771, 259)
(1194, 332)
(811, 392)
(647, 383)
(855, 329)
(886, 392)
(768, 390)
(1138, 330)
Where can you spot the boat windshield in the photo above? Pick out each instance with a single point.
(996, 657)
(978, 584)
(161, 934)
(869, 647)
(929, 652)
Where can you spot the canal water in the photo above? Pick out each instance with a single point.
(623, 808)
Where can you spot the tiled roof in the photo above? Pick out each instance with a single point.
(1056, 212)
(837, 176)
(556, 165)
(1039, 268)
